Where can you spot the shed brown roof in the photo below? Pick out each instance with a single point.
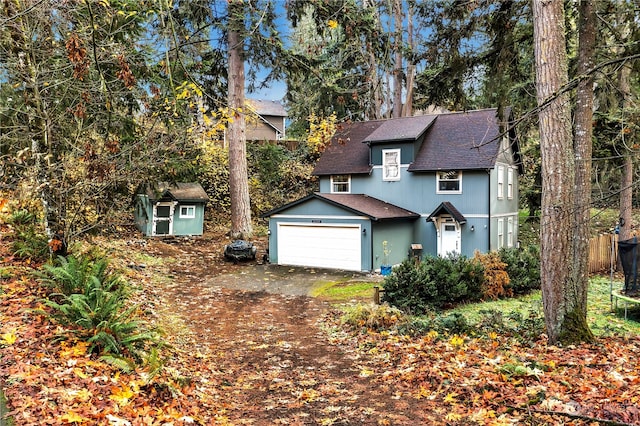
(179, 191)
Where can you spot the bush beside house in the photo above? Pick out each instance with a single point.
(439, 282)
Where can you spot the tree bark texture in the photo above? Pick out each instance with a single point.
(562, 308)
(397, 69)
(583, 147)
(238, 175)
(626, 181)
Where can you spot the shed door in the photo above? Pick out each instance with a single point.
(163, 213)
(332, 246)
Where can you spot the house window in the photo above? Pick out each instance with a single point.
(500, 233)
(510, 183)
(510, 232)
(500, 182)
(449, 182)
(391, 164)
(340, 183)
(187, 212)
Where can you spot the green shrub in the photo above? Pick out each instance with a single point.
(523, 267)
(435, 282)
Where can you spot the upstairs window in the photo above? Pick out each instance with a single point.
(449, 182)
(500, 182)
(340, 184)
(510, 183)
(391, 164)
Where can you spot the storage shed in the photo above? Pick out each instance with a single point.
(171, 209)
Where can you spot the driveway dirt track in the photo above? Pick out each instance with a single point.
(269, 359)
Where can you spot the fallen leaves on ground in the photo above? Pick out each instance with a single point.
(252, 358)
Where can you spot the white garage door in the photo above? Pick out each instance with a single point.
(323, 246)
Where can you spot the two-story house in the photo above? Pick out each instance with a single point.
(442, 183)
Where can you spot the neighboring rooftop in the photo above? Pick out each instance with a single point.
(264, 107)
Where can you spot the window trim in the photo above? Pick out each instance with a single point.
(510, 183)
(347, 183)
(510, 232)
(444, 191)
(385, 165)
(500, 188)
(500, 233)
(187, 215)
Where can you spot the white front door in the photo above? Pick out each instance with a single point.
(449, 241)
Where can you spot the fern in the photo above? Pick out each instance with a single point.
(93, 301)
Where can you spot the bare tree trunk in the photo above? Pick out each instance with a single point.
(562, 310)
(42, 147)
(238, 178)
(397, 68)
(411, 66)
(626, 182)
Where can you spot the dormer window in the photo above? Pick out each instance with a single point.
(390, 164)
(340, 184)
(449, 182)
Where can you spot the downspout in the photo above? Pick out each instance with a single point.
(489, 210)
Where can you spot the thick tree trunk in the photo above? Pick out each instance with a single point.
(238, 178)
(562, 309)
(583, 144)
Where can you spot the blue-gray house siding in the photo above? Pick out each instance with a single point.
(474, 208)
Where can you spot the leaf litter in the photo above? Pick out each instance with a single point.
(255, 357)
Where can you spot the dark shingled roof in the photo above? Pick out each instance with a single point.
(406, 128)
(179, 191)
(452, 141)
(346, 154)
(448, 208)
(375, 209)
(460, 141)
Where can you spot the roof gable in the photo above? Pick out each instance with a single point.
(401, 129)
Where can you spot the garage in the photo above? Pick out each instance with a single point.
(336, 246)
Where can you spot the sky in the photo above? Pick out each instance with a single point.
(277, 89)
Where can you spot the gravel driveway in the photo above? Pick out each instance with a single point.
(287, 280)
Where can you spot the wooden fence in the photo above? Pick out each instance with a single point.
(601, 249)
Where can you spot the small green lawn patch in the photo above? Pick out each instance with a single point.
(338, 292)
